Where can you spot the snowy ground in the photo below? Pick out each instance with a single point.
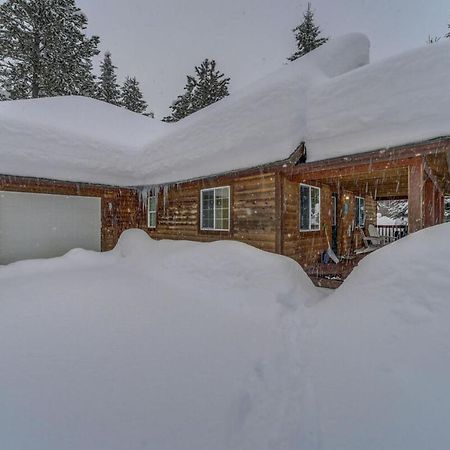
(179, 345)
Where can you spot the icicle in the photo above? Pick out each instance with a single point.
(145, 192)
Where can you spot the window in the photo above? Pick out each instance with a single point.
(360, 213)
(309, 208)
(152, 207)
(215, 209)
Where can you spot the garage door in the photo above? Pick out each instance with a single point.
(42, 225)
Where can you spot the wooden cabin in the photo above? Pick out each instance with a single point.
(300, 209)
(293, 166)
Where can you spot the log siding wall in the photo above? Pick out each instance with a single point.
(252, 211)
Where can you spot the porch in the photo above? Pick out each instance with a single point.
(350, 191)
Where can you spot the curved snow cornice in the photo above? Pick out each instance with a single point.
(80, 139)
(399, 100)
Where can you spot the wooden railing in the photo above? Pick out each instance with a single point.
(393, 232)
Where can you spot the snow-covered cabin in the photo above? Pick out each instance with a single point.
(292, 164)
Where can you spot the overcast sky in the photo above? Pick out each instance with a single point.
(160, 41)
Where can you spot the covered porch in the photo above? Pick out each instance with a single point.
(350, 190)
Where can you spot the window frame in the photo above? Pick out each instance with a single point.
(152, 211)
(362, 201)
(310, 187)
(214, 189)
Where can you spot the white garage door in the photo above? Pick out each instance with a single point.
(43, 225)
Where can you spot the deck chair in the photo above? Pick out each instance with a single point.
(375, 236)
(372, 241)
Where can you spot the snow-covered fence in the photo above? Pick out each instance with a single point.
(393, 231)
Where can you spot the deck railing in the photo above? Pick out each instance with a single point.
(393, 232)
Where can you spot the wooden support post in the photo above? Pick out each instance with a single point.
(428, 203)
(441, 208)
(415, 196)
(437, 207)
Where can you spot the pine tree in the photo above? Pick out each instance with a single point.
(206, 87)
(448, 34)
(307, 35)
(108, 89)
(43, 49)
(132, 97)
(181, 107)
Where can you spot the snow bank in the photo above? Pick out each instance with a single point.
(381, 360)
(80, 139)
(384, 220)
(154, 345)
(183, 345)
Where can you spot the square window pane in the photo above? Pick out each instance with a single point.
(152, 203)
(152, 219)
(208, 219)
(315, 208)
(360, 211)
(207, 208)
(304, 207)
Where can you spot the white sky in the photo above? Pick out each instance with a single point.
(160, 41)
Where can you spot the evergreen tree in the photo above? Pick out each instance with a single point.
(132, 97)
(448, 34)
(43, 49)
(181, 107)
(307, 35)
(108, 89)
(206, 87)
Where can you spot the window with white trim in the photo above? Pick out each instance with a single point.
(215, 209)
(360, 212)
(309, 208)
(152, 208)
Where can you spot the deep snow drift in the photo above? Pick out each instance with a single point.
(381, 350)
(181, 345)
(155, 345)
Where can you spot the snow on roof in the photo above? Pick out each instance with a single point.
(78, 139)
(72, 138)
(399, 100)
(331, 98)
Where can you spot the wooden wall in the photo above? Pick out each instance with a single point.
(304, 246)
(349, 236)
(252, 211)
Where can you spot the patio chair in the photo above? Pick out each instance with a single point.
(372, 241)
(375, 236)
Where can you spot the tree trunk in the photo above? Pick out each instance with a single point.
(35, 67)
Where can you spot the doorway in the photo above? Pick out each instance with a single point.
(334, 222)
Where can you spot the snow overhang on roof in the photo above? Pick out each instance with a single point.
(80, 139)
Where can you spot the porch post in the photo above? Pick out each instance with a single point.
(429, 207)
(441, 207)
(437, 207)
(415, 196)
